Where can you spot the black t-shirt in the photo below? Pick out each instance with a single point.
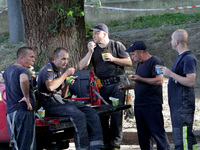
(13, 90)
(146, 94)
(48, 72)
(104, 69)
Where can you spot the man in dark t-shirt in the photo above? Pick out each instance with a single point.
(148, 98)
(20, 101)
(109, 59)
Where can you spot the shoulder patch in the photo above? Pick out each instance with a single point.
(49, 69)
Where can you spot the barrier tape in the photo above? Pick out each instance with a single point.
(126, 9)
(3, 10)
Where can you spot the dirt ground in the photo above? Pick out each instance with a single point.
(158, 43)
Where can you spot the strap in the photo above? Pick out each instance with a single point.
(178, 64)
(118, 68)
(13, 141)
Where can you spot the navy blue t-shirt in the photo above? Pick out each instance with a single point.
(13, 90)
(48, 72)
(105, 69)
(188, 64)
(146, 94)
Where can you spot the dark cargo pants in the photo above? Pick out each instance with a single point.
(88, 130)
(182, 107)
(21, 129)
(112, 124)
(150, 124)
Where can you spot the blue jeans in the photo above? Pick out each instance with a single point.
(88, 130)
(182, 107)
(112, 131)
(21, 129)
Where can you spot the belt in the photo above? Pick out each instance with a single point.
(110, 80)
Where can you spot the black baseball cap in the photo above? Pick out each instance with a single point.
(137, 45)
(100, 27)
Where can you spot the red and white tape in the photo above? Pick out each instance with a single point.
(3, 10)
(127, 9)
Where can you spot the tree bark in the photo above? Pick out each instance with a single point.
(38, 16)
(16, 21)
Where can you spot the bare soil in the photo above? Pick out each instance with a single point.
(158, 43)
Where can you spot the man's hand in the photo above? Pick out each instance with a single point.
(26, 100)
(135, 78)
(108, 57)
(91, 46)
(166, 72)
(122, 87)
(70, 71)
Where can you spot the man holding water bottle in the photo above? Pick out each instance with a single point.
(181, 94)
(148, 98)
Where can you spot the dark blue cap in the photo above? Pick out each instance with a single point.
(137, 45)
(100, 27)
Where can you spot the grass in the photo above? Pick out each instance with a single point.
(4, 37)
(155, 21)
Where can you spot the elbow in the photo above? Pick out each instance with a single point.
(191, 84)
(130, 64)
(82, 67)
(159, 82)
(50, 88)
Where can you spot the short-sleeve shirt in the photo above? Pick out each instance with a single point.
(13, 90)
(146, 94)
(48, 72)
(186, 63)
(105, 69)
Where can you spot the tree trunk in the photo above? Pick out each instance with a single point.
(38, 16)
(16, 21)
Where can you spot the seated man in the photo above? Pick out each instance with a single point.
(52, 87)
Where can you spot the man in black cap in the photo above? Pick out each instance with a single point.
(148, 98)
(109, 68)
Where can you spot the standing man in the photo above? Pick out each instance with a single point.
(52, 87)
(148, 98)
(181, 94)
(20, 101)
(109, 69)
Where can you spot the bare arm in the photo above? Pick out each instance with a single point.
(24, 85)
(84, 63)
(189, 80)
(125, 62)
(158, 80)
(65, 89)
(54, 84)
